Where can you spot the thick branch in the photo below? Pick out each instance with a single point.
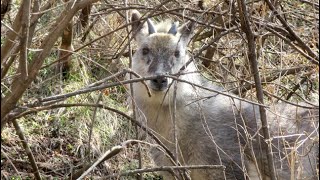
(19, 86)
(11, 36)
(36, 5)
(245, 25)
(25, 23)
(27, 150)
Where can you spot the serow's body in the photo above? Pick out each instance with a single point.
(211, 128)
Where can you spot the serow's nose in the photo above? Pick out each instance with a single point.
(159, 83)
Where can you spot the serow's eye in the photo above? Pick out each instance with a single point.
(177, 53)
(145, 51)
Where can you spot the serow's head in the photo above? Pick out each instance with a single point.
(162, 49)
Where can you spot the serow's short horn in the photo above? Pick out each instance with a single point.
(150, 27)
(173, 29)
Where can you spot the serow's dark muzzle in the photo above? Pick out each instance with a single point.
(159, 83)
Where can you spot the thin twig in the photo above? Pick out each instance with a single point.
(92, 124)
(18, 85)
(10, 162)
(7, 64)
(310, 3)
(164, 168)
(107, 155)
(175, 128)
(134, 114)
(288, 41)
(149, 131)
(9, 42)
(296, 87)
(273, 76)
(103, 86)
(291, 32)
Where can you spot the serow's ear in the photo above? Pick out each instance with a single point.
(139, 29)
(186, 31)
(136, 22)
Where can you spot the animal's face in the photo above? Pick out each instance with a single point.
(160, 50)
(160, 54)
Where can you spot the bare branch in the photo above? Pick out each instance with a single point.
(27, 149)
(273, 76)
(165, 168)
(25, 24)
(7, 64)
(5, 7)
(107, 155)
(144, 128)
(18, 85)
(11, 36)
(245, 25)
(289, 29)
(103, 86)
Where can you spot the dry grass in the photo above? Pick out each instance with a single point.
(59, 137)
